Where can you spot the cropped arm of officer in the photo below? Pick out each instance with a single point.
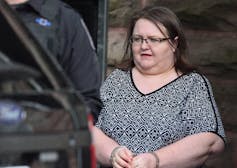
(79, 58)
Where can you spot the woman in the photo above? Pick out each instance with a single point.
(158, 111)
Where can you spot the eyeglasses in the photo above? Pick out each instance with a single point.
(138, 40)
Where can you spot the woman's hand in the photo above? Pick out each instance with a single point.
(144, 160)
(121, 157)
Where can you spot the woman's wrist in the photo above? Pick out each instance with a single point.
(112, 155)
(156, 157)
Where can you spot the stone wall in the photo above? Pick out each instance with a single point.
(211, 29)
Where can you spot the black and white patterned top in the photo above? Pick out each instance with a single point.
(147, 122)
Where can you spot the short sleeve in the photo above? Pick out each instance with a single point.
(108, 91)
(200, 113)
(106, 94)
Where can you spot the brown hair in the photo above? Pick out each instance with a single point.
(172, 24)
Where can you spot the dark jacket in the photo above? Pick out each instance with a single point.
(62, 31)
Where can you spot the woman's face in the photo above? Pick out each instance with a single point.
(152, 55)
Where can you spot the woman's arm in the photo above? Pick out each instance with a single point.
(191, 151)
(105, 145)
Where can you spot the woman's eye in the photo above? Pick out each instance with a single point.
(154, 40)
(137, 39)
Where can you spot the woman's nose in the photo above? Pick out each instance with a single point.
(144, 44)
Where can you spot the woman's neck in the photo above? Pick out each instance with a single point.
(156, 71)
(164, 73)
(147, 83)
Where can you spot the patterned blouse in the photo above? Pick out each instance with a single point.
(147, 122)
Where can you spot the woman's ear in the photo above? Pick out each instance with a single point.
(175, 43)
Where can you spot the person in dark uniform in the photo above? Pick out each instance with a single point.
(62, 31)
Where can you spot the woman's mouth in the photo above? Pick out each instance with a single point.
(146, 55)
